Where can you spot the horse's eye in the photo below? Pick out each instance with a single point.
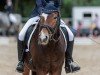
(55, 17)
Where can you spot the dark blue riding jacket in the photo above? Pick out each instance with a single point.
(9, 9)
(40, 4)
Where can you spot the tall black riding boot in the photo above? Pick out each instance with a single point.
(20, 66)
(70, 65)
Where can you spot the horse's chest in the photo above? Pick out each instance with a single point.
(46, 59)
(50, 55)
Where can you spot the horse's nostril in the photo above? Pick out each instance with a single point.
(45, 39)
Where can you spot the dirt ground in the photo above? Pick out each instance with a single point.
(87, 55)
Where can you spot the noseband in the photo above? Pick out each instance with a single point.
(51, 31)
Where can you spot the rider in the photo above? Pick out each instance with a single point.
(9, 11)
(9, 6)
(70, 65)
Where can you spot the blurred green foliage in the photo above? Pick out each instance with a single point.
(68, 4)
(26, 6)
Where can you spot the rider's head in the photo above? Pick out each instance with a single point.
(49, 8)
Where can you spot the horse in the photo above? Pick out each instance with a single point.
(46, 48)
(6, 20)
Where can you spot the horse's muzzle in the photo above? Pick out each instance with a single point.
(43, 38)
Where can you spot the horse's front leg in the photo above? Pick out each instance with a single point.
(26, 71)
(34, 73)
(41, 73)
(57, 72)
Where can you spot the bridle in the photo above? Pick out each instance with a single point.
(52, 31)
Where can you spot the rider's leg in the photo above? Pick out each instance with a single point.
(20, 46)
(70, 65)
(20, 66)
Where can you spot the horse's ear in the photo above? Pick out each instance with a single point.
(41, 20)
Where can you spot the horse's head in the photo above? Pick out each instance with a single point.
(48, 25)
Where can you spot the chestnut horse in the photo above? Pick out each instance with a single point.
(47, 47)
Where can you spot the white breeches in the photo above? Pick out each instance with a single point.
(35, 20)
(30, 22)
(70, 34)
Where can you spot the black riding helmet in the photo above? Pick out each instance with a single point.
(49, 8)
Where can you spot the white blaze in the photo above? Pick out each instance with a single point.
(45, 16)
(42, 35)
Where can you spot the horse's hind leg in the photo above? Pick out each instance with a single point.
(26, 71)
(33, 73)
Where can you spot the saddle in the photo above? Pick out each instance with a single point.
(28, 35)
